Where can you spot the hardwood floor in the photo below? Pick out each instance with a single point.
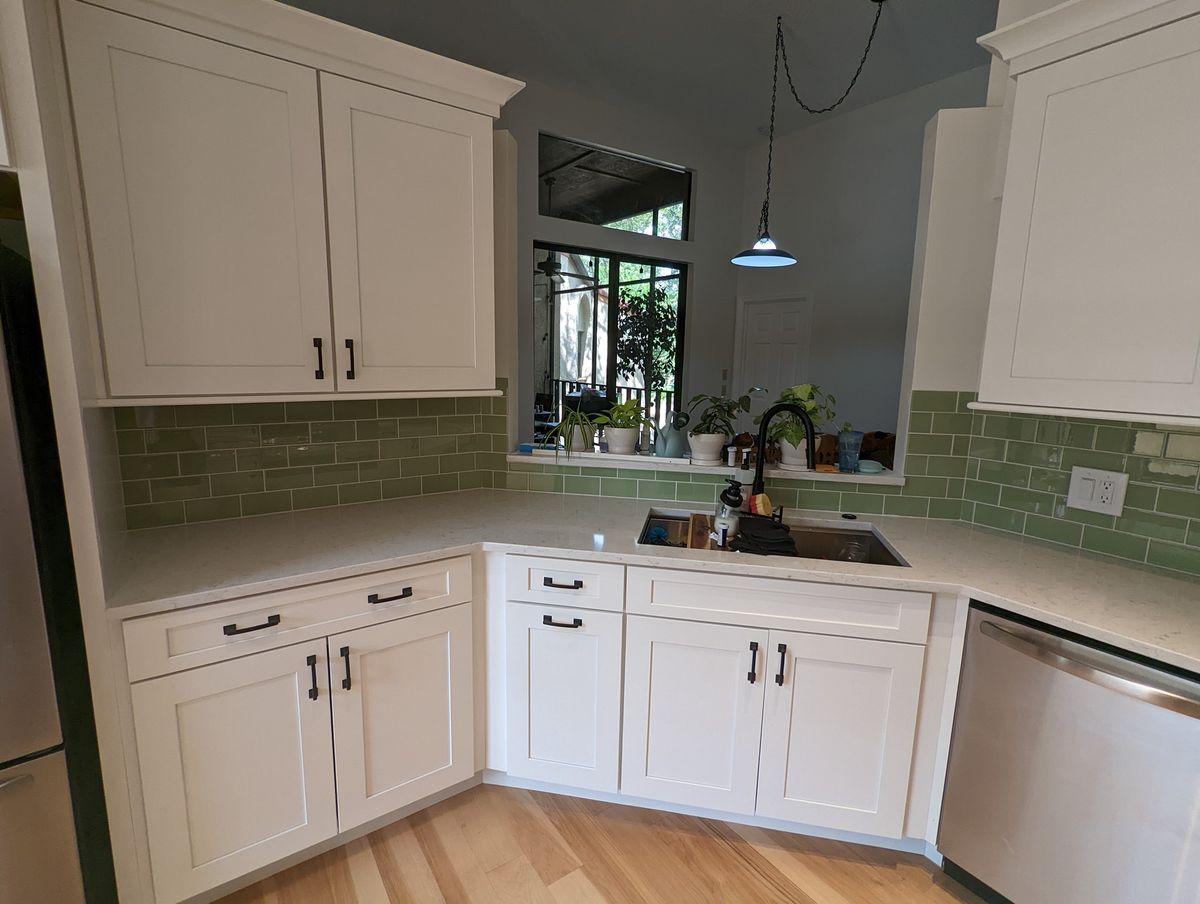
(495, 845)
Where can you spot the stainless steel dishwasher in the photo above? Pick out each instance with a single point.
(1074, 773)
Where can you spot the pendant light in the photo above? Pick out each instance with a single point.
(764, 252)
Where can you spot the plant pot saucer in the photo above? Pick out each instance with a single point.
(789, 467)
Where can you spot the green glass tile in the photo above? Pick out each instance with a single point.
(500, 444)
(999, 518)
(185, 439)
(153, 416)
(820, 500)
(863, 503)
(367, 450)
(633, 473)
(244, 436)
(1065, 433)
(207, 462)
(472, 406)
(618, 486)
(1139, 496)
(398, 408)
(1049, 481)
(323, 454)
(325, 475)
(437, 445)
(920, 422)
(493, 423)
(1086, 458)
(499, 405)
(1002, 426)
(355, 410)
(528, 467)
(566, 470)
(598, 472)
(238, 483)
(259, 413)
(781, 497)
(124, 418)
(453, 464)
(309, 411)
(1001, 472)
(1114, 439)
(916, 465)
(131, 442)
(1027, 500)
(881, 489)
(156, 514)
(377, 429)
(135, 492)
(203, 415)
(402, 488)
(354, 493)
(696, 492)
(284, 434)
(266, 503)
(1023, 453)
(435, 407)
(911, 506)
(510, 481)
(954, 487)
(472, 480)
(475, 442)
(217, 509)
(491, 461)
(1113, 543)
(263, 458)
(1163, 471)
(952, 423)
(705, 478)
(136, 467)
(978, 491)
(965, 399)
(419, 466)
(314, 497)
(972, 469)
(1151, 524)
(400, 448)
(656, 489)
(680, 476)
(946, 466)
(387, 469)
(584, 486)
(791, 484)
(418, 426)
(546, 483)
(440, 483)
(1193, 537)
(962, 446)
(332, 431)
(1093, 519)
(1149, 442)
(288, 478)
(930, 444)
(1053, 530)
(1178, 502)
(1177, 558)
(945, 509)
(1184, 445)
(925, 486)
(934, 400)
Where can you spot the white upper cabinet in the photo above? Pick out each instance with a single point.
(202, 182)
(1095, 300)
(409, 185)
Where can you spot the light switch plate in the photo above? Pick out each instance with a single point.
(1094, 490)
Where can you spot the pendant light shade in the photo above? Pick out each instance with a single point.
(764, 254)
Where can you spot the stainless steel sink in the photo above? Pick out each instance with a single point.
(838, 541)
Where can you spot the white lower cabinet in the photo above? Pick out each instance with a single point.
(693, 712)
(564, 695)
(838, 732)
(403, 712)
(236, 766)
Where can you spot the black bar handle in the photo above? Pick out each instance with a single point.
(574, 585)
(319, 345)
(231, 630)
(549, 620)
(404, 594)
(350, 347)
(312, 664)
(782, 662)
(752, 675)
(344, 652)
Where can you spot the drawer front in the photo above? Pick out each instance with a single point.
(898, 615)
(565, 582)
(184, 639)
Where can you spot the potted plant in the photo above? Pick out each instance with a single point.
(576, 430)
(849, 446)
(788, 431)
(622, 423)
(713, 424)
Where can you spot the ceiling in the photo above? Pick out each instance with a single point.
(701, 62)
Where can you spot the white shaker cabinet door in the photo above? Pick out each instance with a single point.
(1095, 294)
(693, 712)
(409, 185)
(403, 712)
(564, 695)
(202, 180)
(236, 766)
(838, 731)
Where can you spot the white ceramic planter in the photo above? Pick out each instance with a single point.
(706, 448)
(621, 440)
(794, 458)
(582, 441)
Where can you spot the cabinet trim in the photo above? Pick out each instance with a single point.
(1162, 420)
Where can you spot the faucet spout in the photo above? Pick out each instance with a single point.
(810, 433)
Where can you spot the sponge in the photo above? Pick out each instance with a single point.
(760, 504)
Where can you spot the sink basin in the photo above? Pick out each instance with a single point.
(838, 541)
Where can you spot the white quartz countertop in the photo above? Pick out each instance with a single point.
(1133, 607)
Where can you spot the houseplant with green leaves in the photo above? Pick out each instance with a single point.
(713, 418)
(787, 429)
(622, 423)
(576, 430)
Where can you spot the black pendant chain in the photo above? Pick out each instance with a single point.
(781, 48)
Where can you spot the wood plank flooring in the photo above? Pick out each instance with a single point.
(495, 845)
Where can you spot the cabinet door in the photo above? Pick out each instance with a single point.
(838, 732)
(693, 713)
(404, 721)
(236, 766)
(409, 186)
(1094, 293)
(202, 178)
(564, 695)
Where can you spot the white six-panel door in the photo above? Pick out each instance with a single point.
(203, 184)
(409, 185)
(404, 728)
(838, 733)
(692, 714)
(564, 695)
(236, 766)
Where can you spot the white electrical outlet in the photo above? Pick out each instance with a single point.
(1094, 490)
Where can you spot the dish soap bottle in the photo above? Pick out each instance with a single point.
(725, 525)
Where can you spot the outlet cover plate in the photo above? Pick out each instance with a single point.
(1093, 490)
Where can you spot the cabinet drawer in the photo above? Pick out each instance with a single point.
(899, 615)
(565, 582)
(184, 639)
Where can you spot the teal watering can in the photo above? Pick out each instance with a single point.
(672, 441)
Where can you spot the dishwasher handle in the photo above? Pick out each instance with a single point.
(1056, 653)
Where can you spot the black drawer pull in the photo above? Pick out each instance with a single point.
(350, 348)
(782, 662)
(311, 661)
(549, 620)
(344, 652)
(231, 630)
(752, 675)
(319, 345)
(574, 585)
(404, 594)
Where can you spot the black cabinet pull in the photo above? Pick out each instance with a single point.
(319, 345)
(231, 630)
(782, 662)
(404, 594)
(312, 664)
(549, 620)
(574, 585)
(350, 347)
(344, 652)
(752, 675)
